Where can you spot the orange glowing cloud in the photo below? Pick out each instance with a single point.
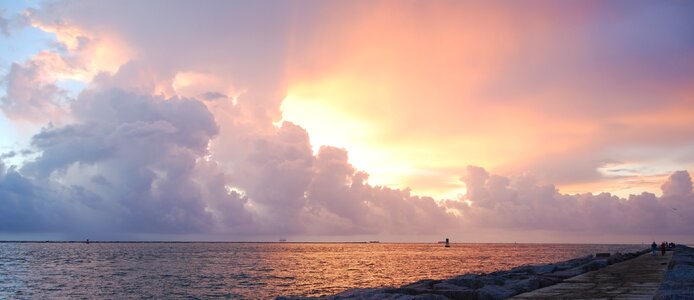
(236, 129)
(88, 53)
(417, 92)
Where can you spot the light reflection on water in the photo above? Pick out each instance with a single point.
(250, 270)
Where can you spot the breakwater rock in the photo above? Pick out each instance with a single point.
(679, 277)
(495, 285)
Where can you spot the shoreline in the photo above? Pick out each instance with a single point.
(495, 285)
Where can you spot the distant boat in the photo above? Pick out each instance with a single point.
(374, 242)
(282, 240)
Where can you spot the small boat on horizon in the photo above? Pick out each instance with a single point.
(374, 242)
(282, 240)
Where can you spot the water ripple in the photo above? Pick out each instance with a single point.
(248, 271)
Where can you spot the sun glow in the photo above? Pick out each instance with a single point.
(328, 126)
(394, 164)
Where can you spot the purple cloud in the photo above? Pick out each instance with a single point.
(130, 157)
(29, 96)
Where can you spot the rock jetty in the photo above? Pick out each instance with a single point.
(495, 285)
(679, 277)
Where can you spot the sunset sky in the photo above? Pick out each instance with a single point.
(501, 121)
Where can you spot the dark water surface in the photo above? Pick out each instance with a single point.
(250, 270)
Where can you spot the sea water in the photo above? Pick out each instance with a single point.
(251, 270)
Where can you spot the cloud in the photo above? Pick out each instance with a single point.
(133, 163)
(146, 149)
(547, 88)
(33, 88)
(7, 155)
(283, 161)
(84, 52)
(132, 158)
(679, 184)
(29, 95)
(235, 62)
(4, 24)
(522, 204)
(213, 96)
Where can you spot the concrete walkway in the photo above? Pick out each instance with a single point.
(636, 278)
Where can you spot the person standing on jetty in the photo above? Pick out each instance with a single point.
(654, 248)
(662, 248)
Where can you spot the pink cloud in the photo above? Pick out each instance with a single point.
(175, 132)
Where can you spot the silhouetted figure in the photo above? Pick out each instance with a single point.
(654, 248)
(662, 248)
(447, 244)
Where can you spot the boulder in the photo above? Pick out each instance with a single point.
(494, 292)
(548, 280)
(446, 290)
(493, 280)
(357, 293)
(595, 265)
(674, 295)
(448, 286)
(426, 297)
(385, 296)
(679, 278)
(544, 269)
(455, 292)
(522, 270)
(561, 275)
(422, 284)
(570, 264)
(616, 258)
(468, 280)
(524, 285)
(504, 284)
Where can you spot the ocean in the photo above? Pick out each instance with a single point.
(251, 270)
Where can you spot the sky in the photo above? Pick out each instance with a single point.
(534, 121)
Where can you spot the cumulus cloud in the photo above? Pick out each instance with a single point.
(180, 56)
(133, 163)
(151, 147)
(136, 164)
(283, 161)
(129, 158)
(32, 91)
(29, 95)
(139, 183)
(341, 201)
(522, 204)
(679, 184)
